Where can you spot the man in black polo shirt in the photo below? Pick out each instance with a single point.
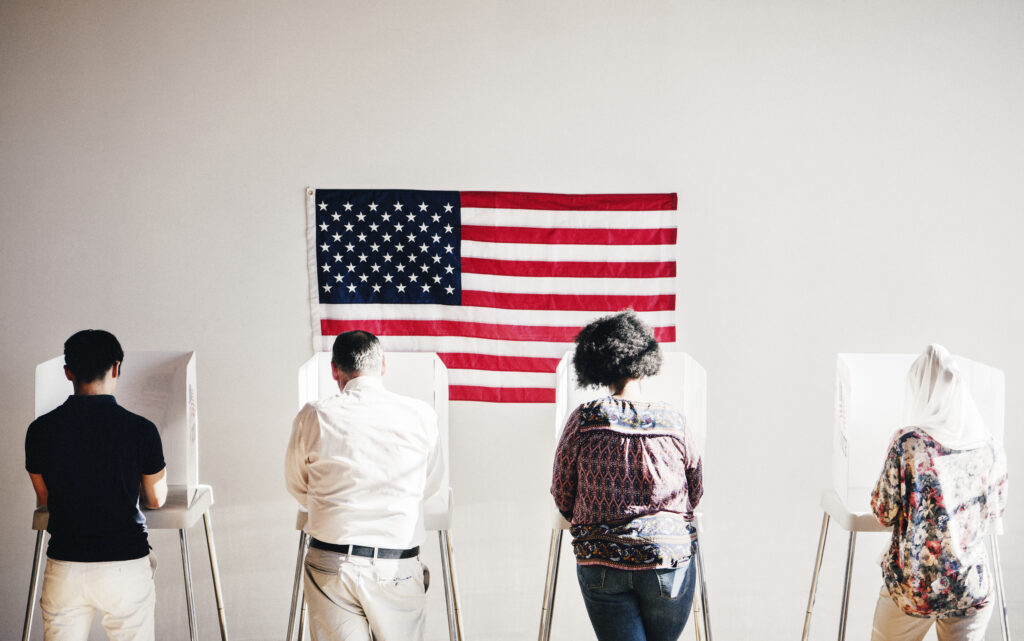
(92, 463)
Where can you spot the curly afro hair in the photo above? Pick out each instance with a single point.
(615, 348)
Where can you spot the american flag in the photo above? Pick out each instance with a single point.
(497, 283)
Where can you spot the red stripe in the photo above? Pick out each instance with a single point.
(501, 394)
(577, 269)
(452, 328)
(569, 302)
(574, 202)
(475, 330)
(499, 363)
(549, 236)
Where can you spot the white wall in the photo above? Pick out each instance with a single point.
(849, 176)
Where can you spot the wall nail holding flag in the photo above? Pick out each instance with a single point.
(497, 283)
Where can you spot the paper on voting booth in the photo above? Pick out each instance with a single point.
(419, 375)
(161, 386)
(869, 410)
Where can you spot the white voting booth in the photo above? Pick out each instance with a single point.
(869, 396)
(419, 375)
(681, 382)
(160, 386)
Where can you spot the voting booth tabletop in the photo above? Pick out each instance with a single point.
(853, 522)
(177, 514)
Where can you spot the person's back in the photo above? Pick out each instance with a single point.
(362, 463)
(91, 462)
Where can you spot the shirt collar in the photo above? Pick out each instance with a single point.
(366, 381)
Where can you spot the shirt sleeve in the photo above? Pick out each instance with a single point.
(296, 473)
(694, 470)
(885, 498)
(564, 476)
(997, 485)
(152, 450)
(35, 456)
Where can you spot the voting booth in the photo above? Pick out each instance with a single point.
(160, 386)
(869, 397)
(681, 382)
(419, 375)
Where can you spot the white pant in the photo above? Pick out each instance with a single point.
(893, 624)
(348, 596)
(123, 591)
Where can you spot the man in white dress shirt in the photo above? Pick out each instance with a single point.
(362, 463)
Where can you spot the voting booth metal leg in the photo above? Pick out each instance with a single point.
(33, 585)
(547, 610)
(297, 596)
(451, 586)
(702, 579)
(845, 610)
(215, 573)
(997, 570)
(814, 576)
(189, 601)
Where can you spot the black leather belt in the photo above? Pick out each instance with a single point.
(362, 550)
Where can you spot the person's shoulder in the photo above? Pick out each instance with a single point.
(136, 421)
(414, 404)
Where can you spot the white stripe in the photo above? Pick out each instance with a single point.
(459, 344)
(487, 378)
(550, 285)
(591, 253)
(569, 219)
(545, 318)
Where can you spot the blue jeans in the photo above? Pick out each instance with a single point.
(637, 605)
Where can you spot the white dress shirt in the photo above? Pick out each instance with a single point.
(362, 462)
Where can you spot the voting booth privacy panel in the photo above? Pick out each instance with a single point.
(869, 410)
(161, 386)
(419, 375)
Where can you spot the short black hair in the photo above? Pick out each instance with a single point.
(615, 348)
(88, 354)
(357, 351)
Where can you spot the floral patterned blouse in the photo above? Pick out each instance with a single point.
(627, 474)
(939, 503)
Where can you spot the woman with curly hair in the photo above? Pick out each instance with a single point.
(627, 475)
(943, 482)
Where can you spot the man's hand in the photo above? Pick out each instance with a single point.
(153, 491)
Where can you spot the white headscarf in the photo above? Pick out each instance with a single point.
(938, 402)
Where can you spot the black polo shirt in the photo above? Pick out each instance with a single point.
(92, 454)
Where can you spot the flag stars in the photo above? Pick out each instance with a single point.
(447, 208)
(387, 238)
(423, 226)
(352, 288)
(374, 247)
(423, 206)
(399, 227)
(349, 227)
(410, 217)
(361, 237)
(323, 226)
(360, 216)
(325, 247)
(373, 207)
(323, 206)
(424, 268)
(436, 218)
(398, 206)
(437, 279)
(363, 278)
(350, 267)
(424, 247)
(435, 238)
(399, 247)
(327, 289)
(348, 206)
(336, 237)
(373, 226)
(436, 258)
(337, 258)
(426, 287)
(349, 247)
(338, 277)
(448, 249)
(362, 258)
(387, 258)
(447, 229)
(326, 267)
(335, 216)
(385, 216)
(387, 278)
(448, 269)
(413, 278)
(400, 268)
(376, 287)
(412, 238)
(449, 290)
(375, 267)
(401, 288)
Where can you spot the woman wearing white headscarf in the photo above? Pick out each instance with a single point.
(943, 481)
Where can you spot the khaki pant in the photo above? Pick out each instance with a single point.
(122, 591)
(348, 596)
(893, 624)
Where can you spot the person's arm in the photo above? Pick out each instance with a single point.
(886, 499)
(435, 460)
(40, 487)
(694, 470)
(997, 485)
(153, 489)
(564, 476)
(296, 474)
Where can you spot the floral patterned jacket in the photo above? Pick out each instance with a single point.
(939, 503)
